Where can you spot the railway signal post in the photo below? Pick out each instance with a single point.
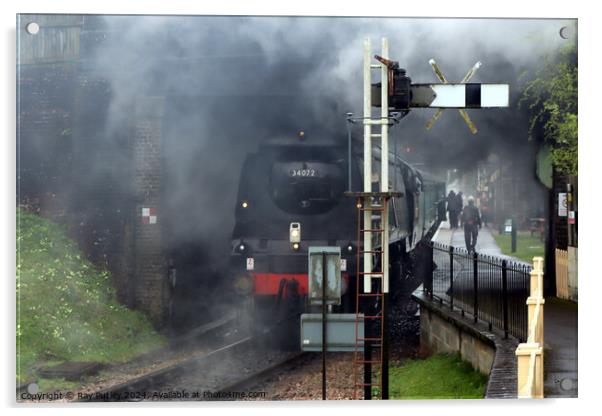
(395, 95)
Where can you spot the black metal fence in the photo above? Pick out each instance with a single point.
(491, 289)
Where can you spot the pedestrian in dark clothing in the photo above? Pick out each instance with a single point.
(472, 222)
(451, 203)
(441, 213)
(459, 206)
(485, 209)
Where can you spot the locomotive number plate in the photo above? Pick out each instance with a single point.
(303, 172)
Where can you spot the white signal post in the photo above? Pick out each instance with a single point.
(383, 134)
(405, 95)
(384, 119)
(384, 161)
(367, 162)
(429, 95)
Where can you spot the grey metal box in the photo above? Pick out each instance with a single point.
(340, 332)
(333, 275)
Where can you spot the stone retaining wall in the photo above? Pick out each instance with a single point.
(440, 336)
(446, 331)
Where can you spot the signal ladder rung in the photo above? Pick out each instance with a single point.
(373, 230)
(372, 346)
(371, 273)
(370, 251)
(373, 208)
(376, 135)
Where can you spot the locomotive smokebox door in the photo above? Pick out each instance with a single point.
(331, 258)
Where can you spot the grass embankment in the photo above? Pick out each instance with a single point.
(66, 307)
(527, 247)
(440, 376)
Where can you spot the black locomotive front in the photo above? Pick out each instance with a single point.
(291, 197)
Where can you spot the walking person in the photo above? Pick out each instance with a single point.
(459, 205)
(471, 219)
(485, 209)
(453, 215)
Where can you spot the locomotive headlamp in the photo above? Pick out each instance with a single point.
(349, 247)
(295, 232)
(241, 247)
(245, 204)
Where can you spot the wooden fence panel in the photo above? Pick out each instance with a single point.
(562, 274)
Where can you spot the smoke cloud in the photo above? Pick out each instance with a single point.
(233, 82)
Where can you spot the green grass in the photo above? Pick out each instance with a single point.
(527, 247)
(440, 376)
(56, 384)
(66, 307)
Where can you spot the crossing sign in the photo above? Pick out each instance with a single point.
(404, 95)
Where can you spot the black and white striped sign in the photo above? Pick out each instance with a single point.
(470, 95)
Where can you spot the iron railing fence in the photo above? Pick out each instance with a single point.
(491, 289)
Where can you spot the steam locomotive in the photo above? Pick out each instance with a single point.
(291, 197)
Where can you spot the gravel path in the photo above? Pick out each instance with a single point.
(302, 380)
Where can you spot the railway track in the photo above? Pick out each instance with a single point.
(221, 374)
(193, 343)
(224, 361)
(246, 383)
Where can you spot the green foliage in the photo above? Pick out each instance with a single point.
(551, 96)
(66, 307)
(441, 376)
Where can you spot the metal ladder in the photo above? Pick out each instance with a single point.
(368, 361)
(373, 240)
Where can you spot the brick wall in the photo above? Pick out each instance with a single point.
(151, 289)
(94, 174)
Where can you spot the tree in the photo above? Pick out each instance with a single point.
(551, 96)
